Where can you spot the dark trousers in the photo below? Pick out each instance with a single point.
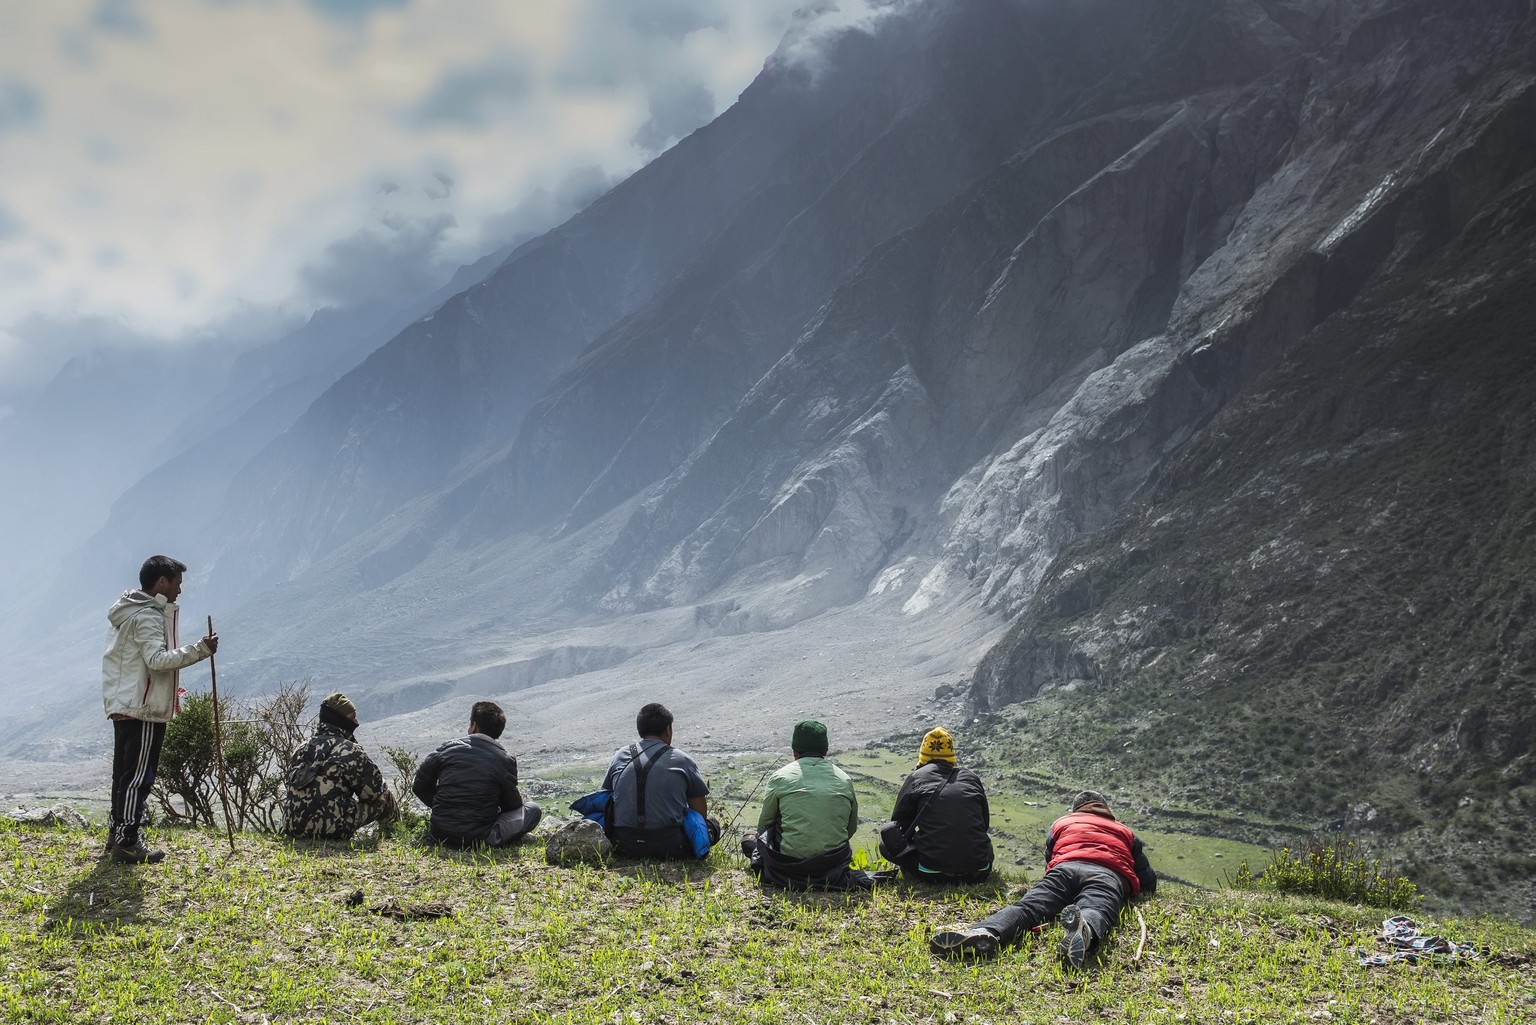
(904, 856)
(825, 871)
(512, 826)
(509, 827)
(135, 757)
(1098, 892)
(670, 843)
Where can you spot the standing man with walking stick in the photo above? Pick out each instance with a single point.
(141, 692)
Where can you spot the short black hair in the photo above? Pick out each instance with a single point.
(488, 718)
(653, 720)
(157, 566)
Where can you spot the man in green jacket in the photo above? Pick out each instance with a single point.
(809, 814)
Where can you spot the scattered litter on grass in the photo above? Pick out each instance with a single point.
(412, 912)
(1405, 941)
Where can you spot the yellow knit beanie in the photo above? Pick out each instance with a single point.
(938, 746)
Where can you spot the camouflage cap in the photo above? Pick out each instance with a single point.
(341, 704)
(1089, 797)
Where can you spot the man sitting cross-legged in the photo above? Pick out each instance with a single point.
(471, 786)
(660, 803)
(332, 787)
(1094, 867)
(810, 812)
(938, 828)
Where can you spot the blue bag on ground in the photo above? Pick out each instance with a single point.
(697, 832)
(594, 806)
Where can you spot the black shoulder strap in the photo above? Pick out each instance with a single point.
(917, 818)
(642, 773)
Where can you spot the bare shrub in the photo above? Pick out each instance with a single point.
(259, 737)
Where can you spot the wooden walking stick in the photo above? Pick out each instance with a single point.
(218, 745)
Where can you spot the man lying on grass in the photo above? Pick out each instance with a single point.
(1094, 867)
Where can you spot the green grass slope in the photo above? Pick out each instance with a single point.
(1198, 848)
(400, 932)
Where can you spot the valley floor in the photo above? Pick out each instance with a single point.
(400, 932)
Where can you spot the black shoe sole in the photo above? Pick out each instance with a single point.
(954, 945)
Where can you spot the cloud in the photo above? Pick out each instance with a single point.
(441, 188)
(543, 208)
(20, 106)
(819, 24)
(240, 153)
(103, 151)
(676, 109)
(471, 98)
(44, 347)
(672, 18)
(10, 224)
(34, 350)
(397, 256)
(354, 9)
(119, 18)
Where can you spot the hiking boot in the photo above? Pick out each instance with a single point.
(135, 853)
(1076, 938)
(957, 943)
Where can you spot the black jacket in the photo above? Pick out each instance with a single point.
(943, 811)
(467, 783)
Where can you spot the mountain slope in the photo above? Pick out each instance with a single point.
(1321, 606)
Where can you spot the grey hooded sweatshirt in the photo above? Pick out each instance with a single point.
(139, 669)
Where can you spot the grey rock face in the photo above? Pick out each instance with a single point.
(59, 815)
(1265, 298)
(907, 335)
(1320, 581)
(582, 841)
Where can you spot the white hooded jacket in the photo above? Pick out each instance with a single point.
(139, 675)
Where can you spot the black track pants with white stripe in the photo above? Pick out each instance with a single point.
(135, 756)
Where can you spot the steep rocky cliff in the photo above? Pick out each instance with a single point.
(1321, 603)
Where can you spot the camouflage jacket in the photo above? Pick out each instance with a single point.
(331, 784)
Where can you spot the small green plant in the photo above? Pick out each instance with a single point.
(411, 811)
(863, 860)
(1337, 870)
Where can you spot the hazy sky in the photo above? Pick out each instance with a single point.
(176, 167)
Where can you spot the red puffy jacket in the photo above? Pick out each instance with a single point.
(1085, 836)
